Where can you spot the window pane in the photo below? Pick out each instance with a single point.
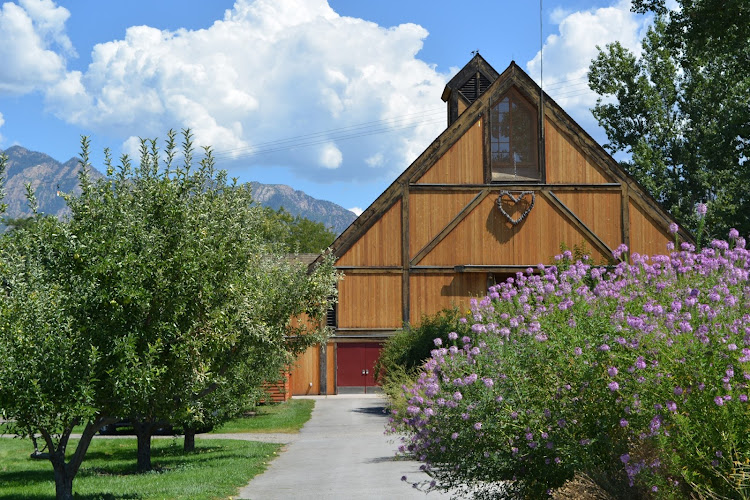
(523, 135)
(513, 141)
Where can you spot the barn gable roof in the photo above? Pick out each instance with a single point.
(512, 76)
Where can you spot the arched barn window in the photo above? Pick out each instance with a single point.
(514, 139)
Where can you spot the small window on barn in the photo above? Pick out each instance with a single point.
(513, 141)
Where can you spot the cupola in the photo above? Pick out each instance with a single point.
(468, 84)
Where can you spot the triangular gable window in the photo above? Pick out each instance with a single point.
(513, 140)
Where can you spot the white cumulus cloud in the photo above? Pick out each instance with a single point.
(32, 45)
(356, 211)
(330, 156)
(275, 82)
(568, 54)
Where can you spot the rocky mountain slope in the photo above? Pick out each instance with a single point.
(49, 177)
(299, 203)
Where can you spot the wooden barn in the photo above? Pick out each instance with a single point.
(510, 179)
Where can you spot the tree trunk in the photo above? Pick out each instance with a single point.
(63, 479)
(189, 444)
(143, 431)
(66, 472)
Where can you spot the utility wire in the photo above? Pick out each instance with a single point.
(375, 126)
(295, 145)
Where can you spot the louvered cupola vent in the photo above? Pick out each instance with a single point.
(467, 86)
(475, 87)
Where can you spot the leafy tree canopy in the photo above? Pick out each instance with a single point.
(158, 300)
(682, 108)
(296, 234)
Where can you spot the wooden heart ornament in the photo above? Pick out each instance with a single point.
(514, 200)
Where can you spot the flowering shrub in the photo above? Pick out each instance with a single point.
(637, 373)
(405, 352)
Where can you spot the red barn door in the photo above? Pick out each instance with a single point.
(356, 366)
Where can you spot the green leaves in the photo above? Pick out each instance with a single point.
(159, 299)
(682, 109)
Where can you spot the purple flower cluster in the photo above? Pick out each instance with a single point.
(641, 356)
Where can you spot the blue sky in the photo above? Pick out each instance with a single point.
(332, 97)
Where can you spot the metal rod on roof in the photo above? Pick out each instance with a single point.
(541, 87)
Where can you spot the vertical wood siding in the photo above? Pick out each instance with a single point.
(432, 292)
(380, 245)
(599, 210)
(645, 235)
(305, 371)
(485, 237)
(565, 163)
(429, 213)
(370, 301)
(462, 163)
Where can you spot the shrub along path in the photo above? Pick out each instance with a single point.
(340, 453)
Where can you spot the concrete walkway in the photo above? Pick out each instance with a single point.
(341, 453)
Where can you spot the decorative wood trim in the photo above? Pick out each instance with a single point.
(371, 270)
(335, 368)
(405, 300)
(578, 223)
(601, 158)
(511, 76)
(433, 269)
(361, 224)
(477, 63)
(475, 268)
(615, 186)
(379, 336)
(625, 215)
(322, 368)
(487, 144)
(451, 225)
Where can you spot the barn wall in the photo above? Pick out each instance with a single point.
(370, 301)
(566, 163)
(462, 163)
(645, 235)
(429, 213)
(306, 371)
(432, 292)
(485, 237)
(601, 211)
(380, 245)
(451, 219)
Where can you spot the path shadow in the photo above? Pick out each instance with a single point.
(78, 496)
(380, 460)
(373, 410)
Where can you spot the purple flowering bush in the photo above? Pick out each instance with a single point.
(636, 375)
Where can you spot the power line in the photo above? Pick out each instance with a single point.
(568, 82)
(375, 126)
(295, 145)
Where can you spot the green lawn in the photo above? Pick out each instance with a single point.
(282, 417)
(217, 469)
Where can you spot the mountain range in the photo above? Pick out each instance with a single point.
(49, 177)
